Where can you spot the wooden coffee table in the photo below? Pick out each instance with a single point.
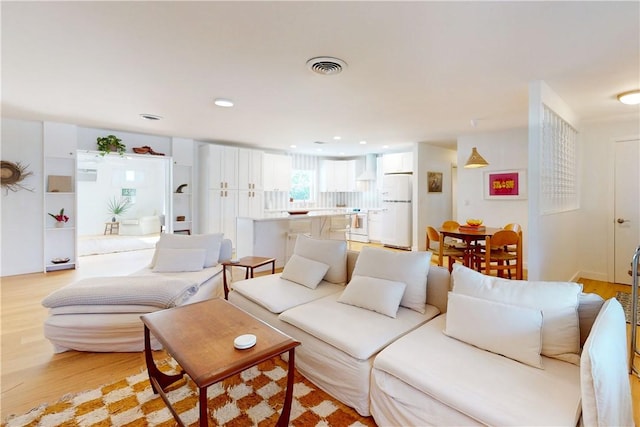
(200, 338)
(249, 263)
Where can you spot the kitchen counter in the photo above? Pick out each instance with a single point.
(274, 234)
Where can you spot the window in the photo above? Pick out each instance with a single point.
(302, 185)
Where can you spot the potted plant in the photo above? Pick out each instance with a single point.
(110, 143)
(117, 207)
(60, 218)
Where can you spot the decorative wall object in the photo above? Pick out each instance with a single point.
(435, 182)
(59, 184)
(505, 185)
(12, 174)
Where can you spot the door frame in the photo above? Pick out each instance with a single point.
(611, 229)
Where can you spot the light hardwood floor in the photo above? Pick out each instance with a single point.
(32, 374)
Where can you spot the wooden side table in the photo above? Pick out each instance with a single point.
(111, 228)
(249, 263)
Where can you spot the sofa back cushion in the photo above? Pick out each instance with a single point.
(557, 300)
(379, 295)
(509, 330)
(606, 395)
(588, 309)
(330, 252)
(178, 260)
(410, 268)
(304, 271)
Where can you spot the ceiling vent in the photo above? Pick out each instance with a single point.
(326, 65)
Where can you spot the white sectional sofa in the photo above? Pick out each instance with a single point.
(492, 352)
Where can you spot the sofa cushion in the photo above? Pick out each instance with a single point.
(606, 396)
(411, 268)
(277, 294)
(178, 260)
(209, 242)
(509, 330)
(304, 271)
(330, 252)
(380, 295)
(557, 300)
(492, 389)
(359, 333)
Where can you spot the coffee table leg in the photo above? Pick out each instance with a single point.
(156, 375)
(202, 401)
(283, 421)
(224, 282)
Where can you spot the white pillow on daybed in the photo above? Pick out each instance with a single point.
(380, 295)
(330, 252)
(209, 242)
(178, 260)
(557, 300)
(304, 271)
(410, 268)
(509, 330)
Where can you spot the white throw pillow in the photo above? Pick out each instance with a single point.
(304, 271)
(379, 295)
(209, 242)
(178, 260)
(511, 331)
(330, 252)
(410, 268)
(557, 300)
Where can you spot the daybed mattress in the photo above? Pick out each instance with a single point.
(449, 382)
(118, 328)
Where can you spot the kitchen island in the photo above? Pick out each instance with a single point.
(274, 235)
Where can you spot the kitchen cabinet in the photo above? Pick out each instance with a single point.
(375, 225)
(182, 151)
(250, 203)
(250, 169)
(60, 240)
(276, 172)
(397, 162)
(222, 212)
(338, 176)
(222, 167)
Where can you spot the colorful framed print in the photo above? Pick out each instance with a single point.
(505, 185)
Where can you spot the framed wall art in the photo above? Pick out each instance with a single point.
(434, 180)
(505, 185)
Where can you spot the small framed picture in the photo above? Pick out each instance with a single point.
(434, 181)
(505, 185)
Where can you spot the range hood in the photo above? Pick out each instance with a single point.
(369, 173)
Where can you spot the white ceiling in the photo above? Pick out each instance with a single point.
(417, 71)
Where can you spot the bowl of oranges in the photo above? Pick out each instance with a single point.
(474, 222)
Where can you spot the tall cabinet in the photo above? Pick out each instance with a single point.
(250, 185)
(182, 151)
(60, 238)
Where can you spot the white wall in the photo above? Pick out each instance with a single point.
(430, 208)
(21, 232)
(596, 255)
(505, 150)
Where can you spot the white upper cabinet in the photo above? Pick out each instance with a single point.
(397, 162)
(182, 151)
(277, 172)
(222, 167)
(250, 169)
(338, 176)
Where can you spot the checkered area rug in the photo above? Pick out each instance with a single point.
(251, 398)
(625, 300)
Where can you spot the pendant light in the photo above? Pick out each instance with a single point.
(476, 160)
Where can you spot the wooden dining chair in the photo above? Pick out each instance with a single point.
(453, 254)
(497, 257)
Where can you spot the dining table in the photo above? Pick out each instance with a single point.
(471, 236)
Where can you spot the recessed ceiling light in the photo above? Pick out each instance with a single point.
(318, 149)
(385, 146)
(630, 98)
(293, 146)
(150, 117)
(223, 102)
(363, 142)
(337, 138)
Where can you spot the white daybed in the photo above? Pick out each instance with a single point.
(102, 314)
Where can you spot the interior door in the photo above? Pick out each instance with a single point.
(626, 206)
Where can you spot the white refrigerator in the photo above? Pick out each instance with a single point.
(396, 210)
